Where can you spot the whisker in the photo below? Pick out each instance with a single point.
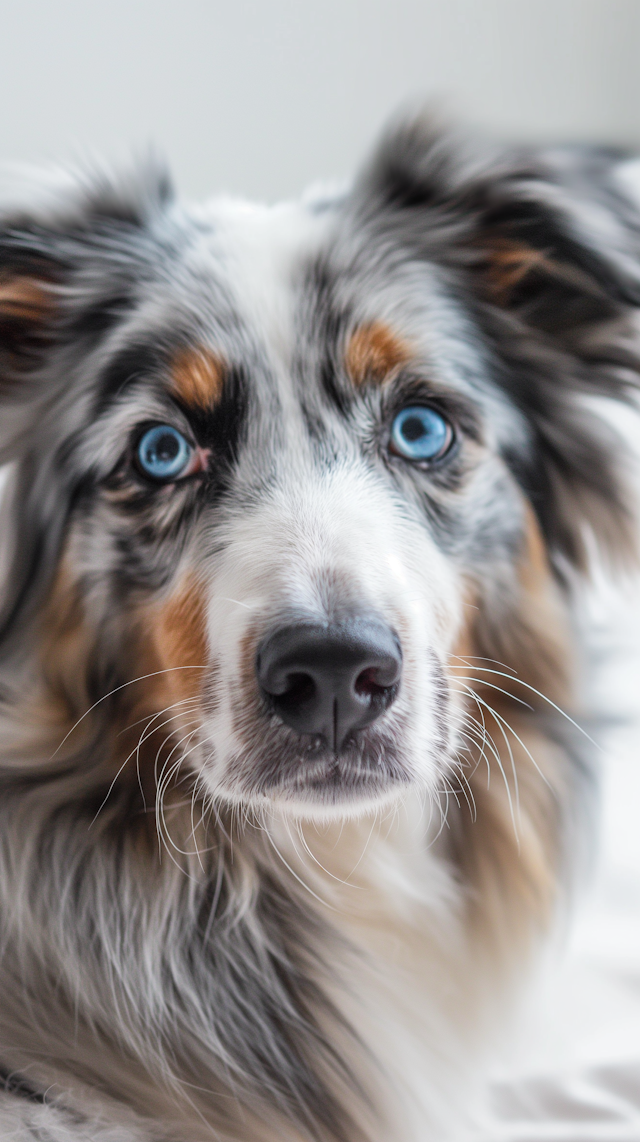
(174, 769)
(314, 858)
(466, 790)
(108, 793)
(193, 824)
(247, 606)
(486, 739)
(116, 690)
(493, 686)
(158, 714)
(468, 659)
(162, 781)
(136, 750)
(495, 715)
(294, 874)
(538, 693)
(376, 821)
(450, 789)
(499, 719)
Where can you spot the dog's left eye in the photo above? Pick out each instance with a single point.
(420, 433)
(163, 453)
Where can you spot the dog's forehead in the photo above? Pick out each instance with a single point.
(288, 295)
(295, 278)
(259, 255)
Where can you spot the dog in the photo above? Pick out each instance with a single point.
(293, 787)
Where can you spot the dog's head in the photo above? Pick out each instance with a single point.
(278, 463)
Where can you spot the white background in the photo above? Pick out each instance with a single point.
(262, 96)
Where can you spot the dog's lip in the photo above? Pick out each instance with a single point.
(335, 772)
(272, 761)
(329, 769)
(319, 760)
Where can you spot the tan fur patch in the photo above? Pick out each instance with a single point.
(545, 657)
(509, 263)
(511, 786)
(24, 299)
(198, 377)
(374, 353)
(168, 654)
(152, 712)
(65, 648)
(180, 637)
(535, 644)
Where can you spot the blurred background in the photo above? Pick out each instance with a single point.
(260, 97)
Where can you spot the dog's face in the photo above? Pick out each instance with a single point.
(295, 475)
(287, 470)
(337, 472)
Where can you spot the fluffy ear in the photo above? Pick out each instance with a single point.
(26, 306)
(534, 219)
(544, 247)
(70, 248)
(71, 254)
(27, 322)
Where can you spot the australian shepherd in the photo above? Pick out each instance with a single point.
(292, 784)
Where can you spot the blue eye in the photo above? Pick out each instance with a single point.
(163, 453)
(420, 433)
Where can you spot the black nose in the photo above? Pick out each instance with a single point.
(330, 679)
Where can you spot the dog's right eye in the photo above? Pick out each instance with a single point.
(163, 453)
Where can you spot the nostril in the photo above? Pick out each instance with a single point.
(297, 689)
(368, 685)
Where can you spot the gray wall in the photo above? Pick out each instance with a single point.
(262, 96)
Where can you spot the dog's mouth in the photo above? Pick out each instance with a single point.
(277, 763)
(304, 770)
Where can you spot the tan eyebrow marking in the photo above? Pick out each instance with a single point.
(24, 299)
(374, 352)
(198, 377)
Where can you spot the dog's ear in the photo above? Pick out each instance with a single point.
(71, 256)
(26, 310)
(71, 244)
(543, 246)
